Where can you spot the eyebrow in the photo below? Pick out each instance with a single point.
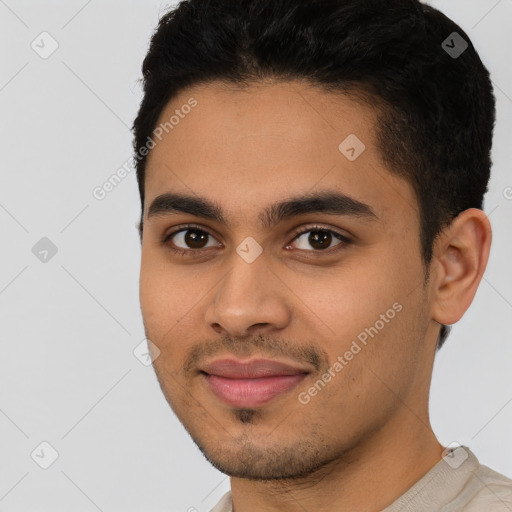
(332, 203)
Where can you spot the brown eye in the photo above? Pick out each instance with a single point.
(195, 239)
(190, 238)
(319, 239)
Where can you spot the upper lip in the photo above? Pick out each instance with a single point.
(237, 369)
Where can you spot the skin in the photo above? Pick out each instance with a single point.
(365, 438)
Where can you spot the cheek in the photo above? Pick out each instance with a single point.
(171, 298)
(158, 294)
(372, 301)
(150, 285)
(374, 360)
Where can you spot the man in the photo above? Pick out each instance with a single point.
(311, 176)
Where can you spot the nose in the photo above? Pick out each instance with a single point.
(249, 299)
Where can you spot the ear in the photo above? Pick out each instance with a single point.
(460, 258)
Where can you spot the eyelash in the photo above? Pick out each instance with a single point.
(193, 252)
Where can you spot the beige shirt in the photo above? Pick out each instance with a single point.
(457, 483)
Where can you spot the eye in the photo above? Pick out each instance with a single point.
(190, 239)
(187, 240)
(320, 238)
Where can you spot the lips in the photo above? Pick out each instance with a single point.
(250, 383)
(236, 369)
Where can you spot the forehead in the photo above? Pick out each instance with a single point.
(252, 146)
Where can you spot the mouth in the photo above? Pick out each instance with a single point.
(250, 383)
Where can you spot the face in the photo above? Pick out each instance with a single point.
(287, 335)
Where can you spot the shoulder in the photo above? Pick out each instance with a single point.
(488, 490)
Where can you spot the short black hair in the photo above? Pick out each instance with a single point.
(436, 108)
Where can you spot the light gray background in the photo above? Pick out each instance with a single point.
(68, 327)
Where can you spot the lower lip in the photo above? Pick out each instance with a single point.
(251, 392)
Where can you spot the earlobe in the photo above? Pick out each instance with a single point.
(461, 255)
